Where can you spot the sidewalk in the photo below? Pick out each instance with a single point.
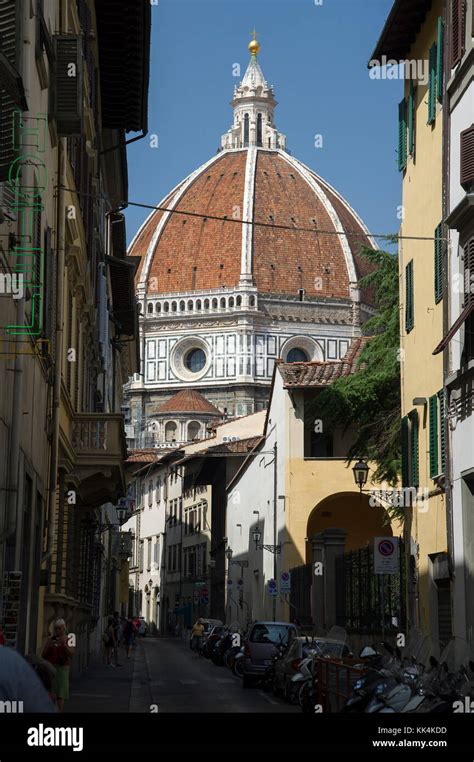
(107, 689)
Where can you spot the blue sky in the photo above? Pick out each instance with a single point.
(316, 58)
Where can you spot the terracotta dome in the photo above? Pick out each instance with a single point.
(181, 253)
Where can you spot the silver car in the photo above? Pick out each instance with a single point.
(260, 646)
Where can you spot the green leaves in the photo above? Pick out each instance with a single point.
(368, 402)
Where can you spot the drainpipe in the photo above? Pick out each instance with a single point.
(60, 255)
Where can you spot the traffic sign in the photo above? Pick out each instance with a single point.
(285, 583)
(386, 555)
(272, 587)
(205, 601)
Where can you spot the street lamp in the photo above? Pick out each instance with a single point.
(361, 472)
(229, 553)
(257, 536)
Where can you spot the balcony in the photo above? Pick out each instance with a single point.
(98, 441)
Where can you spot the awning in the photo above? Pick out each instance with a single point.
(454, 328)
(401, 29)
(123, 31)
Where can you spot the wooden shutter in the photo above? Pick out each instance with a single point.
(405, 453)
(438, 263)
(409, 297)
(467, 159)
(411, 119)
(414, 450)
(8, 46)
(432, 85)
(469, 272)
(442, 431)
(433, 433)
(440, 61)
(68, 95)
(402, 134)
(458, 29)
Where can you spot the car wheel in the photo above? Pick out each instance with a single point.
(238, 668)
(247, 682)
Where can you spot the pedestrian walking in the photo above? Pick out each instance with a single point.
(196, 635)
(60, 654)
(20, 683)
(117, 627)
(129, 635)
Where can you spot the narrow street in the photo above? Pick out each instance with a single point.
(165, 672)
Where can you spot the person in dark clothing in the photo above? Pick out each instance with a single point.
(117, 627)
(129, 635)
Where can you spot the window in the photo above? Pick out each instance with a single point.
(246, 130)
(150, 494)
(194, 430)
(410, 450)
(156, 551)
(411, 119)
(195, 360)
(296, 355)
(141, 556)
(458, 31)
(442, 431)
(402, 135)
(259, 129)
(466, 173)
(148, 560)
(440, 61)
(433, 434)
(432, 85)
(409, 298)
(170, 431)
(438, 263)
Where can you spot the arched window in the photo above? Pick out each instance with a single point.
(259, 129)
(231, 301)
(206, 304)
(174, 306)
(194, 429)
(199, 305)
(182, 306)
(246, 130)
(239, 301)
(158, 307)
(190, 306)
(150, 308)
(214, 304)
(166, 307)
(296, 355)
(223, 304)
(170, 431)
(140, 307)
(252, 301)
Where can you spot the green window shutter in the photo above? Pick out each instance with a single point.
(405, 452)
(409, 297)
(438, 263)
(411, 120)
(432, 85)
(440, 61)
(442, 431)
(402, 134)
(414, 450)
(433, 411)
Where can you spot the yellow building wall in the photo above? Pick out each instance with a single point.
(421, 372)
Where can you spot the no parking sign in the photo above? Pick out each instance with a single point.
(386, 555)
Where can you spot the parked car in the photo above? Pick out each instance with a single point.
(260, 646)
(288, 665)
(143, 628)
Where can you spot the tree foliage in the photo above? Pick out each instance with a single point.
(369, 400)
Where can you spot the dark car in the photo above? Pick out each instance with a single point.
(261, 643)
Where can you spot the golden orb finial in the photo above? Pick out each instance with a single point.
(254, 45)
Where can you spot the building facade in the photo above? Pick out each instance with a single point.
(457, 347)
(75, 328)
(420, 37)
